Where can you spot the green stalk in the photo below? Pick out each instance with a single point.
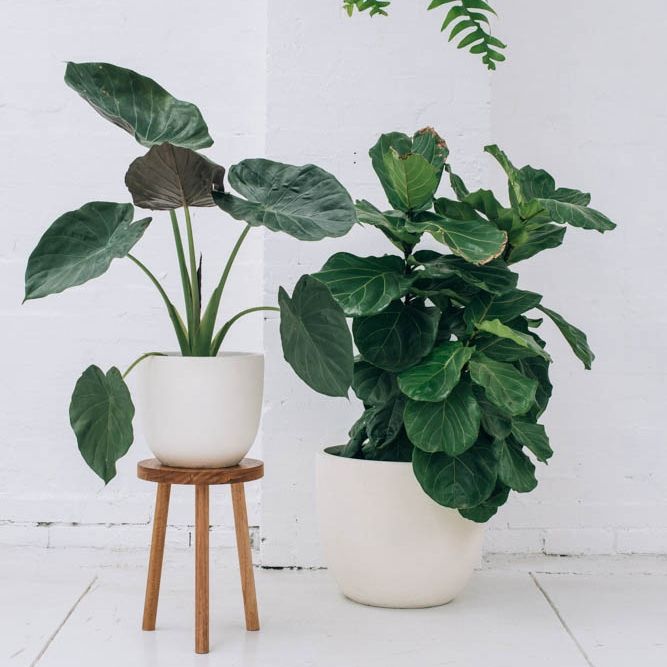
(174, 316)
(194, 284)
(211, 312)
(140, 359)
(220, 336)
(185, 278)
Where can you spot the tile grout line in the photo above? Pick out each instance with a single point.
(49, 641)
(559, 616)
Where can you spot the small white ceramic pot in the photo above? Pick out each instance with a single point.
(200, 412)
(385, 541)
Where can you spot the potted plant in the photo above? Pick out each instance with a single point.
(199, 407)
(450, 368)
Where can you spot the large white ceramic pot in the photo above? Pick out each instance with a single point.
(385, 541)
(201, 412)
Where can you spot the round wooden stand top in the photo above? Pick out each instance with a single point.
(247, 470)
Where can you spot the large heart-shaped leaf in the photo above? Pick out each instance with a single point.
(138, 105)
(576, 215)
(487, 508)
(390, 223)
(576, 338)
(315, 337)
(497, 328)
(534, 437)
(449, 426)
(514, 468)
(364, 285)
(398, 337)
(372, 385)
(503, 307)
(305, 202)
(458, 481)
(80, 245)
(169, 177)
(433, 378)
(503, 384)
(101, 413)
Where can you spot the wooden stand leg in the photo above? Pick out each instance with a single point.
(201, 568)
(245, 557)
(157, 552)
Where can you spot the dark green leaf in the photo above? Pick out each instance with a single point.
(398, 337)
(80, 245)
(497, 328)
(534, 437)
(530, 239)
(501, 349)
(364, 285)
(372, 385)
(305, 202)
(138, 105)
(101, 413)
(504, 307)
(449, 426)
(384, 422)
(399, 449)
(458, 481)
(515, 469)
(576, 338)
(494, 422)
(357, 437)
(433, 378)
(315, 337)
(537, 369)
(487, 508)
(391, 223)
(169, 177)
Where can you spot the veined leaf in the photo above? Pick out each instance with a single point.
(450, 426)
(537, 369)
(576, 338)
(315, 337)
(515, 469)
(80, 245)
(534, 437)
(503, 384)
(462, 481)
(576, 215)
(390, 223)
(487, 508)
(497, 424)
(497, 328)
(101, 413)
(504, 307)
(530, 239)
(398, 337)
(364, 285)
(138, 105)
(372, 385)
(413, 179)
(305, 202)
(436, 375)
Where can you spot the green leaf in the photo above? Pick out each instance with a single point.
(492, 277)
(534, 437)
(101, 413)
(576, 338)
(501, 349)
(305, 202)
(494, 422)
(315, 337)
(537, 369)
(530, 239)
(449, 426)
(80, 245)
(432, 147)
(576, 215)
(138, 105)
(515, 469)
(503, 307)
(412, 178)
(364, 285)
(497, 328)
(169, 177)
(372, 385)
(462, 481)
(384, 422)
(390, 223)
(503, 384)
(398, 337)
(399, 449)
(487, 508)
(436, 375)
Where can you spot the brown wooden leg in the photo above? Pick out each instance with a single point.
(201, 568)
(245, 557)
(157, 552)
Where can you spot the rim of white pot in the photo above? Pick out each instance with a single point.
(221, 355)
(326, 452)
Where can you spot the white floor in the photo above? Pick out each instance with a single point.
(71, 608)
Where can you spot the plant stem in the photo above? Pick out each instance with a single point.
(174, 315)
(220, 336)
(140, 359)
(196, 297)
(185, 278)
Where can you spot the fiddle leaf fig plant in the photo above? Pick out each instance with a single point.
(451, 371)
(303, 201)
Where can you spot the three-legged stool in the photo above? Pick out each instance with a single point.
(246, 471)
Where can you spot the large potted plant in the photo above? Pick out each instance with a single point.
(198, 406)
(450, 368)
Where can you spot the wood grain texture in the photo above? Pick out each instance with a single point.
(156, 556)
(245, 557)
(247, 470)
(201, 568)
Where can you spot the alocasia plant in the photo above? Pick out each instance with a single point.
(305, 202)
(450, 369)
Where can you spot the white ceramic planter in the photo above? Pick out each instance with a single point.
(200, 412)
(385, 541)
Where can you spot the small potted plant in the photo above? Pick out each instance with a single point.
(450, 368)
(199, 407)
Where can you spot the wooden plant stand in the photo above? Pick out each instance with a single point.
(247, 470)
